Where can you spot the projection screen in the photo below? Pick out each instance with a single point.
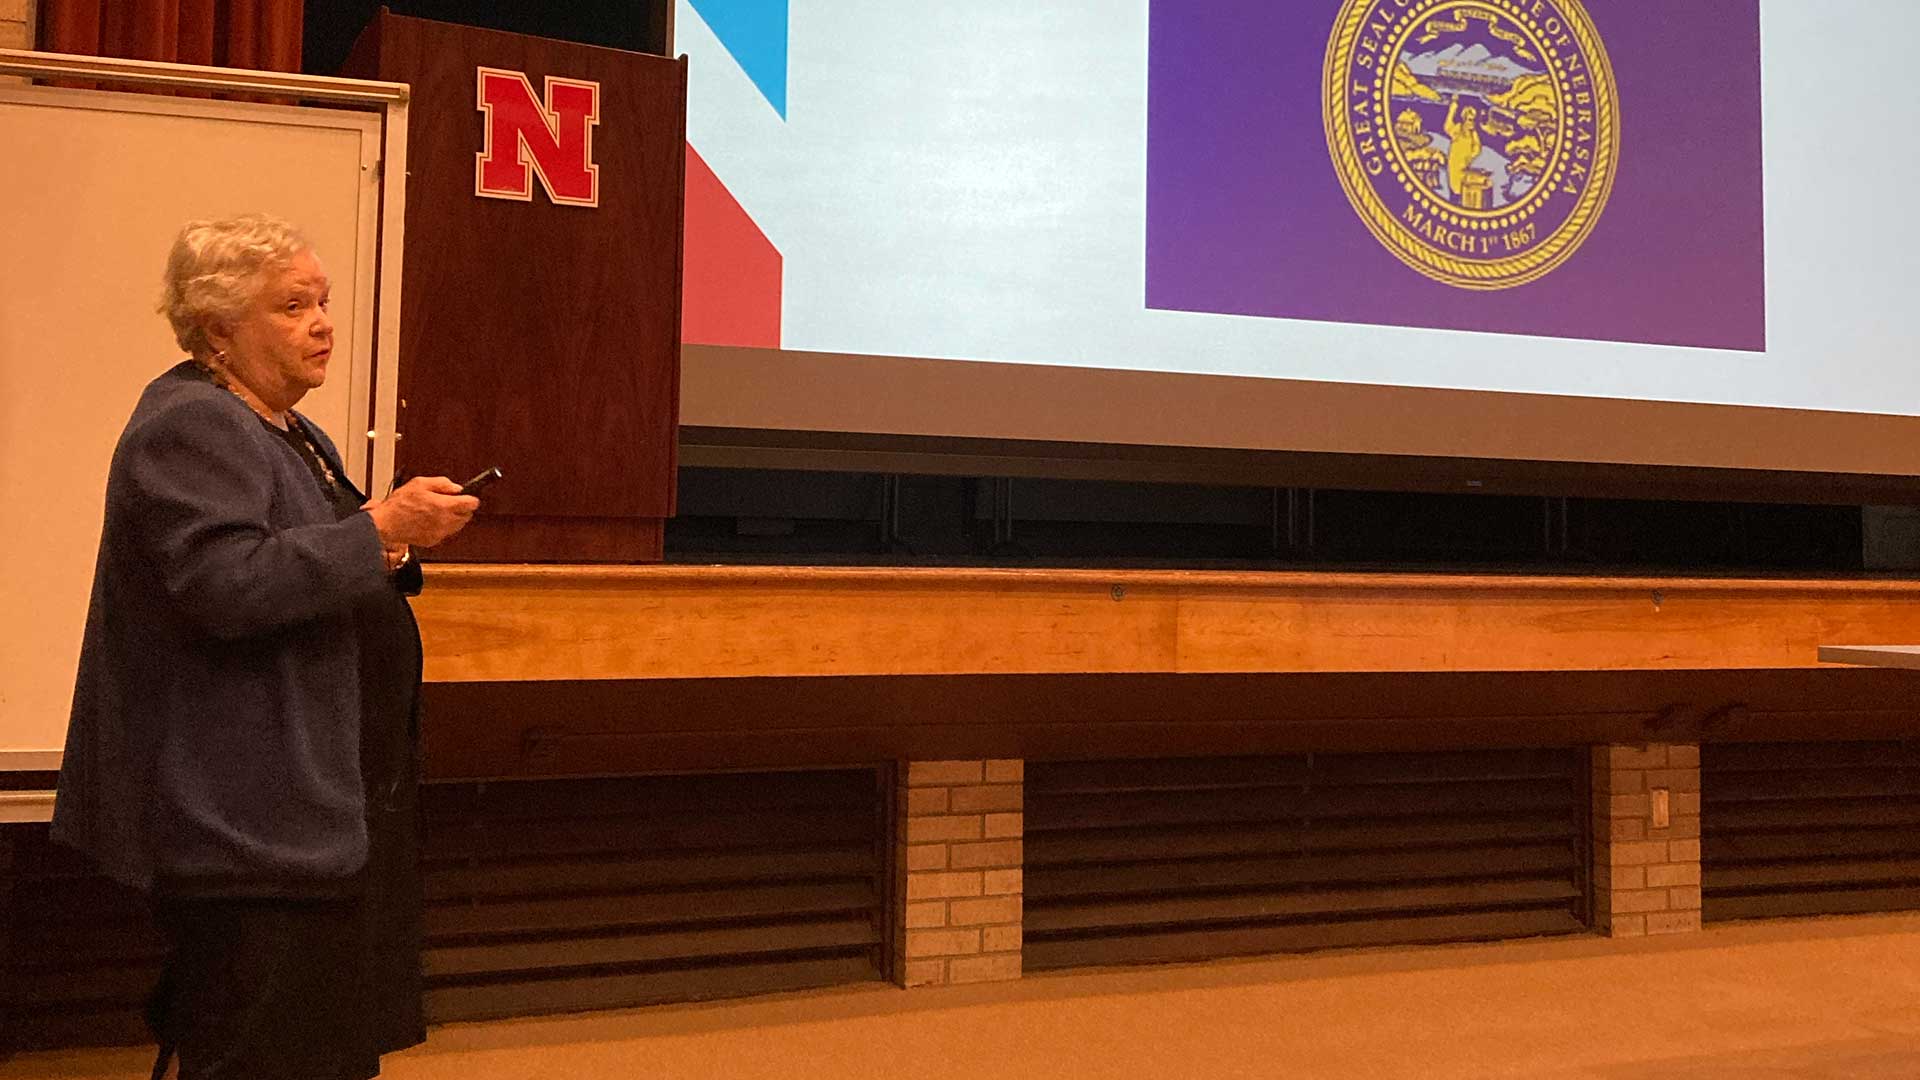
(1561, 230)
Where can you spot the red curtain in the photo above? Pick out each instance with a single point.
(260, 34)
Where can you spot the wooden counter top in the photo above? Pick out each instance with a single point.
(503, 623)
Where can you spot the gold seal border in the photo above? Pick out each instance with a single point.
(1531, 202)
(1406, 245)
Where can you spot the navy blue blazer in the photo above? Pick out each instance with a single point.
(215, 731)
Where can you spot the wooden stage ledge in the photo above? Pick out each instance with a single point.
(484, 623)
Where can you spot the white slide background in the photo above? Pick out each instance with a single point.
(968, 182)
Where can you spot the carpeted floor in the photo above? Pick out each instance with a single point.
(1831, 999)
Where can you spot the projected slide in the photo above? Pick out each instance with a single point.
(1480, 144)
(1689, 202)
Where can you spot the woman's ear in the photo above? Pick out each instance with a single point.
(219, 335)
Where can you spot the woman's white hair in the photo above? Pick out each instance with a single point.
(217, 268)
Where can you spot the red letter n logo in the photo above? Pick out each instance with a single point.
(556, 138)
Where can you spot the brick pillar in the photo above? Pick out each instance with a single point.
(16, 25)
(1646, 867)
(958, 864)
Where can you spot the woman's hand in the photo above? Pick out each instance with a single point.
(421, 513)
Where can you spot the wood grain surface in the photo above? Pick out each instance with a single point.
(492, 622)
(538, 337)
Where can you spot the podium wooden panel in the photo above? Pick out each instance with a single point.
(541, 337)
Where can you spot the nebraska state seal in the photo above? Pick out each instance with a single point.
(1478, 139)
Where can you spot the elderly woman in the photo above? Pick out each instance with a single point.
(242, 740)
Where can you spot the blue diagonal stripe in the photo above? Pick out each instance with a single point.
(755, 32)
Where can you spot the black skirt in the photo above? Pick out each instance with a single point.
(265, 988)
(293, 987)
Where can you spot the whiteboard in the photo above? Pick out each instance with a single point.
(95, 185)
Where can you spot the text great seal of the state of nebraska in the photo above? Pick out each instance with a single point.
(1477, 139)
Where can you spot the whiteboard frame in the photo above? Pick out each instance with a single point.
(379, 111)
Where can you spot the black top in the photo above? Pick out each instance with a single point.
(295, 434)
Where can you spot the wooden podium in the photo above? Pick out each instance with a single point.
(540, 325)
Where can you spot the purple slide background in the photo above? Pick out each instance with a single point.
(1246, 216)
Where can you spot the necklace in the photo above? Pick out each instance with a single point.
(289, 421)
(220, 379)
(313, 449)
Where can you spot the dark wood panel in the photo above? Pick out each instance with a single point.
(1816, 783)
(507, 729)
(1054, 847)
(1042, 920)
(1044, 953)
(1187, 774)
(1432, 766)
(78, 953)
(8, 835)
(63, 920)
(1831, 901)
(492, 880)
(600, 836)
(1134, 859)
(491, 1000)
(544, 896)
(1817, 844)
(125, 983)
(67, 1025)
(1044, 884)
(74, 904)
(602, 952)
(36, 857)
(572, 894)
(496, 536)
(1867, 813)
(541, 338)
(737, 793)
(1809, 828)
(1270, 804)
(106, 936)
(26, 780)
(591, 913)
(1815, 872)
(1765, 757)
(1220, 773)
